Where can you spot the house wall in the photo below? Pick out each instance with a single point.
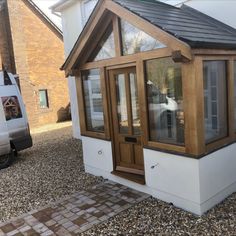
(73, 19)
(191, 184)
(72, 26)
(38, 56)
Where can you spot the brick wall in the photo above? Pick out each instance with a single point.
(6, 49)
(38, 56)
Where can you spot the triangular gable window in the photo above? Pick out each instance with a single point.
(135, 40)
(105, 48)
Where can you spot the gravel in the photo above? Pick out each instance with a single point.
(154, 217)
(50, 170)
(53, 169)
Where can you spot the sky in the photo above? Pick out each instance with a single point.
(44, 6)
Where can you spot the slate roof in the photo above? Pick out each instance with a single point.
(185, 23)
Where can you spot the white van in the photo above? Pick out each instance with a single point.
(14, 129)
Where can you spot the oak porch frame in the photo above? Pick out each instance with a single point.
(192, 80)
(103, 10)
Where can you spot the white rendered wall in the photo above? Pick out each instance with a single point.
(217, 174)
(73, 19)
(193, 185)
(72, 26)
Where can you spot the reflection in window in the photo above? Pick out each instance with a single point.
(165, 101)
(122, 104)
(106, 47)
(43, 99)
(215, 100)
(135, 40)
(11, 108)
(134, 103)
(93, 100)
(235, 93)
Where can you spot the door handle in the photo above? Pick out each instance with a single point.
(131, 139)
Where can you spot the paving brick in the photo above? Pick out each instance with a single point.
(50, 221)
(8, 228)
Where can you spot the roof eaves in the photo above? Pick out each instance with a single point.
(61, 5)
(79, 38)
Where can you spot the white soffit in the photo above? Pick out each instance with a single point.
(62, 4)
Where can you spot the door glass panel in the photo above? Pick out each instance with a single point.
(134, 103)
(122, 104)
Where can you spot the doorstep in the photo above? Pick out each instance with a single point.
(75, 214)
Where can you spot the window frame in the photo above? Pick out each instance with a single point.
(233, 68)
(122, 39)
(216, 139)
(217, 144)
(47, 99)
(82, 109)
(159, 144)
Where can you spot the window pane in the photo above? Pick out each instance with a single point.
(165, 101)
(122, 104)
(106, 47)
(43, 99)
(235, 93)
(11, 107)
(215, 99)
(135, 103)
(135, 40)
(93, 100)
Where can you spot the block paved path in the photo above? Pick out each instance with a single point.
(75, 214)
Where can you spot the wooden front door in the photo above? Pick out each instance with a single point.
(127, 140)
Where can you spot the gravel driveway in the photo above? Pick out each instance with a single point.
(53, 168)
(50, 170)
(154, 217)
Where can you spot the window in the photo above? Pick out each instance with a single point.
(135, 40)
(43, 99)
(235, 94)
(106, 47)
(93, 100)
(11, 108)
(165, 101)
(215, 100)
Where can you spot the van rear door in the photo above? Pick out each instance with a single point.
(4, 136)
(16, 117)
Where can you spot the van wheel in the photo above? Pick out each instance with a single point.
(6, 160)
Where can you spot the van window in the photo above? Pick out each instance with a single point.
(11, 107)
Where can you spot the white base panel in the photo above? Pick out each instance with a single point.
(188, 183)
